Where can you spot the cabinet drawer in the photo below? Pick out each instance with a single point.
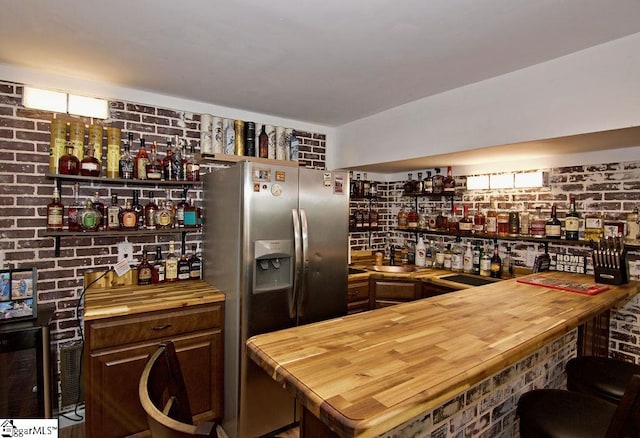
(395, 290)
(120, 331)
(358, 292)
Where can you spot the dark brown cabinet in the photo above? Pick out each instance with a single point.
(387, 292)
(358, 296)
(116, 352)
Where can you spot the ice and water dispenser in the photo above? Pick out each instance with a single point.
(273, 265)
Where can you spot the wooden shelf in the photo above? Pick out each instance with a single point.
(121, 181)
(232, 159)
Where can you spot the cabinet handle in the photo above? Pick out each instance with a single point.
(161, 327)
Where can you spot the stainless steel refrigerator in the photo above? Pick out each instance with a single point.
(276, 243)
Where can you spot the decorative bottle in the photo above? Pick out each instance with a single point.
(572, 221)
(55, 212)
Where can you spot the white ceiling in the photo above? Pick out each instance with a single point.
(327, 62)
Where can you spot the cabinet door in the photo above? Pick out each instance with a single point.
(113, 407)
(388, 292)
(358, 296)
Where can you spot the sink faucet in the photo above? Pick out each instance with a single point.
(392, 255)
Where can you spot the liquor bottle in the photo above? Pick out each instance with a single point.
(184, 270)
(538, 223)
(102, 209)
(496, 263)
(442, 221)
(366, 219)
(503, 223)
(358, 188)
(429, 256)
(352, 223)
(449, 183)
(68, 164)
(525, 223)
(75, 209)
(552, 225)
(412, 218)
(145, 276)
(113, 151)
(150, 211)
(514, 223)
(359, 215)
(507, 263)
(402, 218)
(158, 266)
(163, 217)
(427, 186)
(477, 254)
(366, 186)
(141, 161)
(58, 138)
(55, 212)
(453, 225)
(90, 218)
(407, 188)
(423, 220)
(467, 259)
(438, 182)
(138, 209)
(491, 224)
(190, 215)
(90, 166)
(263, 143)
(154, 166)
(421, 253)
(249, 139)
(418, 185)
(126, 163)
(171, 207)
(447, 255)
(373, 189)
(128, 218)
(195, 265)
(113, 214)
(479, 220)
(633, 225)
(238, 140)
(171, 265)
(167, 162)
(177, 164)
(179, 217)
(572, 221)
(229, 138)
(485, 262)
(457, 256)
(193, 168)
(439, 255)
(466, 223)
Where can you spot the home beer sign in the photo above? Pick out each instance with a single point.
(569, 263)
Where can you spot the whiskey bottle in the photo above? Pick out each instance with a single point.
(552, 225)
(538, 224)
(514, 223)
(158, 266)
(150, 211)
(90, 166)
(449, 184)
(171, 265)
(359, 219)
(403, 219)
(145, 276)
(491, 225)
(177, 165)
(479, 220)
(503, 223)
(113, 151)
(418, 185)
(438, 182)
(126, 163)
(452, 221)
(358, 187)
(190, 215)
(94, 141)
(141, 161)
(366, 186)
(128, 218)
(466, 223)
(485, 262)
(184, 270)
(195, 265)
(74, 210)
(163, 217)
(467, 259)
(572, 221)
(407, 188)
(154, 167)
(69, 163)
(496, 263)
(179, 217)
(525, 223)
(90, 218)
(55, 212)
(427, 186)
(167, 162)
(238, 146)
(412, 219)
(193, 168)
(263, 143)
(102, 209)
(138, 209)
(113, 214)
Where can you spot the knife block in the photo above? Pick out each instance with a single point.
(609, 275)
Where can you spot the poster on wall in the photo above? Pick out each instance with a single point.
(18, 299)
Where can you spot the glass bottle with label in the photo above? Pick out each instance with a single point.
(633, 225)
(496, 263)
(154, 166)
(68, 164)
(412, 218)
(491, 224)
(373, 216)
(184, 270)
(138, 209)
(90, 166)
(407, 188)
(479, 220)
(141, 161)
(366, 186)
(177, 165)
(452, 221)
(193, 168)
(128, 218)
(525, 223)
(179, 216)
(485, 262)
(113, 214)
(163, 217)
(447, 256)
(552, 227)
(195, 264)
(466, 222)
(467, 259)
(263, 143)
(477, 254)
(126, 163)
(457, 256)
(55, 212)
(158, 266)
(150, 211)
(538, 223)
(418, 185)
(171, 265)
(427, 185)
(503, 223)
(167, 162)
(438, 182)
(90, 218)
(102, 209)
(75, 210)
(190, 215)
(449, 183)
(572, 221)
(403, 220)
(145, 276)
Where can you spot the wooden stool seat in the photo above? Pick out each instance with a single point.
(602, 377)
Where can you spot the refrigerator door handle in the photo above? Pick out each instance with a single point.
(305, 261)
(297, 270)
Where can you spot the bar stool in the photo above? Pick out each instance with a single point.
(566, 414)
(602, 377)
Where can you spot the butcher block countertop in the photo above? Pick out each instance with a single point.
(366, 373)
(129, 300)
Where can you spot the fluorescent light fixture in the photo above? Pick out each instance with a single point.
(479, 182)
(88, 106)
(44, 100)
(501, 181)
(65, 103)
(530, 179)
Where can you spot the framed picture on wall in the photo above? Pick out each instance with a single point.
(19, 294)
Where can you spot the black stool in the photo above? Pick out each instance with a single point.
(566, 414)
(602, 377)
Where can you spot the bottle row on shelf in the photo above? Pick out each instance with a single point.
(187, 266)
(94, 215)
(495, 222)
(437, 184)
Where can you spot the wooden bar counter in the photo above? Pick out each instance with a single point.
(367, 373)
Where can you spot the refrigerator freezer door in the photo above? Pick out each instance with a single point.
(325, 204)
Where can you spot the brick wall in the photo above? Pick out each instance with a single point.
(25, 191)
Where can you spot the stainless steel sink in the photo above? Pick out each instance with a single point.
(394, 268)
(356, 271)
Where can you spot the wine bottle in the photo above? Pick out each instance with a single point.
(496, 263)
(553, 225)
(572, 221)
